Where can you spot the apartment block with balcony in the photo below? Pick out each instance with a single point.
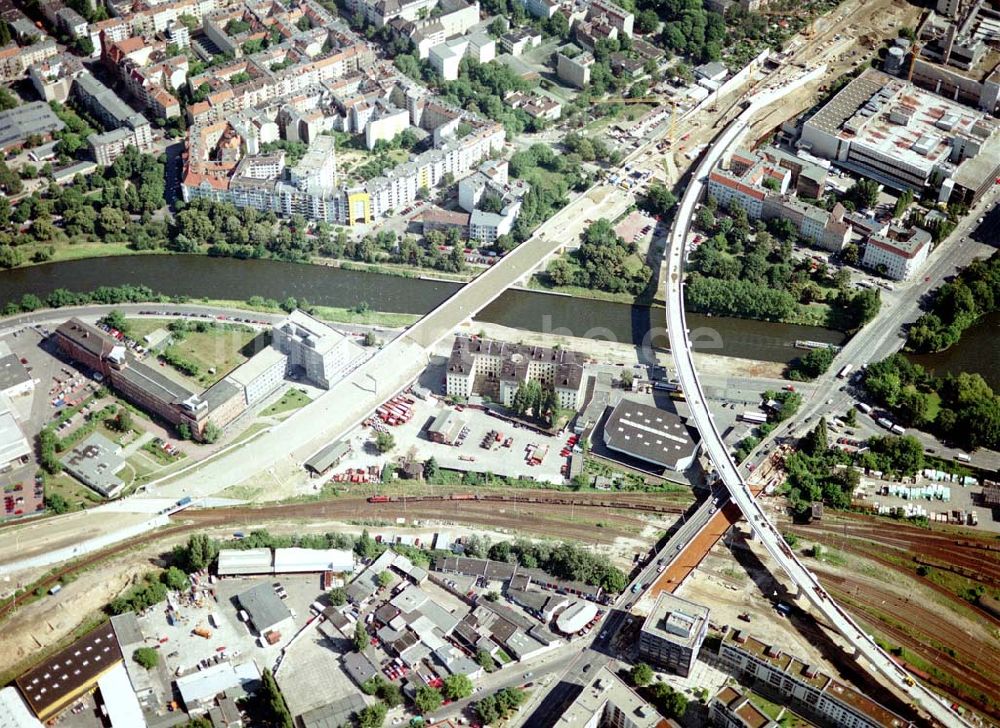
(800, 685)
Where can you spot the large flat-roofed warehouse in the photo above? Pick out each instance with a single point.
(58, 681)
(651, 434)
(13, 444)
(673, 632)
(895, 133)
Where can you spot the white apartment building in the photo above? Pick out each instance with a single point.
(324, 355)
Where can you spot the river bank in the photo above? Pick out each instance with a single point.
(364, 297)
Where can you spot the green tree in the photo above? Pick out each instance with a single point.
(366, 547)
(147, 657)
(211, 433)
(373, 716)
(390, 694)
(337, 596)
(361, 638)
(457, 687)
(270, 707)
(431, 470)
(199, 553)
(123, 421)
(384, 578)
(384, 442)
(176, 579)
(485, 660)
(864, 192)
(670, 702)
(642, 675)
(115, 319)
(427, 699)
(56, 503)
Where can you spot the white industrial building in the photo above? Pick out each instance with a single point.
(13, 712)
(902, 136)
(119, 699)
(322, 353)
(651, 434)
(199, 689)
(249, 562)
(260, 375)
(245, 562)
(576, 616)
(13, 444)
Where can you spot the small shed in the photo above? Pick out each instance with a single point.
(326, 458)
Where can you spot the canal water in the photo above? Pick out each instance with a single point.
(975, 353)
(228, 278)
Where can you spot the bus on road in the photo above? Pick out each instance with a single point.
(844, 371)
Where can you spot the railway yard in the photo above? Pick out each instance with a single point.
(929, 594)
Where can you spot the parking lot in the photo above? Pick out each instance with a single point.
(499, 458)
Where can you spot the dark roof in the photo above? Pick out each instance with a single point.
(220, 393)
(126, 628)
(152, 382)
(335, 714)
(650, 433)
(87, 337)
(12, 372)
(386, 613)
(263, 606)
(515, 359)
(328, 456)
(79, 665)
(34, 117)
(359, 667)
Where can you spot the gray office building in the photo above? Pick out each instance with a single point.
(672, 634)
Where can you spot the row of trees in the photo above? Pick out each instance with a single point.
(497, 706)
(957, 305)
(565, 560)
(962, 408)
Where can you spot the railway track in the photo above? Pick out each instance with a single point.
(855, 548)
(51, 579)
(975, 559)
(652, 507)
(982, 691)
(191, 520)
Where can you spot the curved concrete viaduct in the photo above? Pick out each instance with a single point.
(680, 346)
